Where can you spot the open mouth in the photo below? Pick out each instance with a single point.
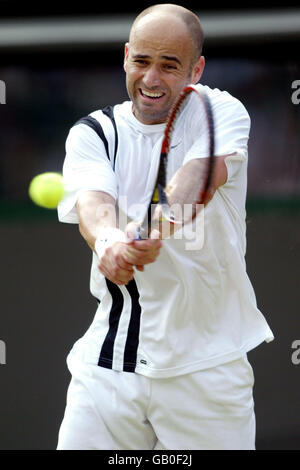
(151, 95)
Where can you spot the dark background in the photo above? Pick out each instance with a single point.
(44, 275)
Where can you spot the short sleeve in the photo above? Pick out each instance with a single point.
(86, 168)
(232, 123)
(232, 134)
(232, 127)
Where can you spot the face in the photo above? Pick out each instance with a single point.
(158, 65)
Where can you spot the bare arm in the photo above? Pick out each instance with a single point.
(183, 188)
(219, 177)
(96, 211)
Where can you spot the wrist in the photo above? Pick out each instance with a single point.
(108, 236)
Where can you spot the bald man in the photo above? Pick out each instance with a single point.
(164, 363)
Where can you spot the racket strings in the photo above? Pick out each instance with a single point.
(186, 162)
(188, 184)
(175, 114)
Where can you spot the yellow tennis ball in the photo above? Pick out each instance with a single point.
(47, 189)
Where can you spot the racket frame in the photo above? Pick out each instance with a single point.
(160, 183)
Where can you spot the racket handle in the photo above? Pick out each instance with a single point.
(138, 233)
(141, 233)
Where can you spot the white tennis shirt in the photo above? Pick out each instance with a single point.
(194, 307)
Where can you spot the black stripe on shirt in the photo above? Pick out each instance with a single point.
(96, 126)
(106, 354)
(132, 341)
(109, 111)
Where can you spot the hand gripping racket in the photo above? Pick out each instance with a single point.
(185, 167)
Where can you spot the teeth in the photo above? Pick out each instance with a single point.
(152, 95)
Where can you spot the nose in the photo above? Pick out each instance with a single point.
(152, 77)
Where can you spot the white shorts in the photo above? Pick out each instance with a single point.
(208, 410)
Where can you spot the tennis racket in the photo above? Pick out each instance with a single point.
(186, 163)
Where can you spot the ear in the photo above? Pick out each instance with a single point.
(198, 70)
(126, 52)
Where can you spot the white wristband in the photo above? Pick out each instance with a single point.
(107, 238)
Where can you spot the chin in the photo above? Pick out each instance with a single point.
(150, 117)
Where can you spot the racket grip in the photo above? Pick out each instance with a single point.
(141, 233)
(138, 233)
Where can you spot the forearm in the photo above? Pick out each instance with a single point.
(96, 211)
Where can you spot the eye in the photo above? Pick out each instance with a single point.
(170, 67)
(140, 61)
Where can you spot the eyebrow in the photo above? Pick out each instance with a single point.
(166, 57)
(172, 58)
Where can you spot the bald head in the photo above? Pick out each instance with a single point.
(170, 11)
(162, 57)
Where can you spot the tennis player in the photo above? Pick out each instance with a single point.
(164, 363)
